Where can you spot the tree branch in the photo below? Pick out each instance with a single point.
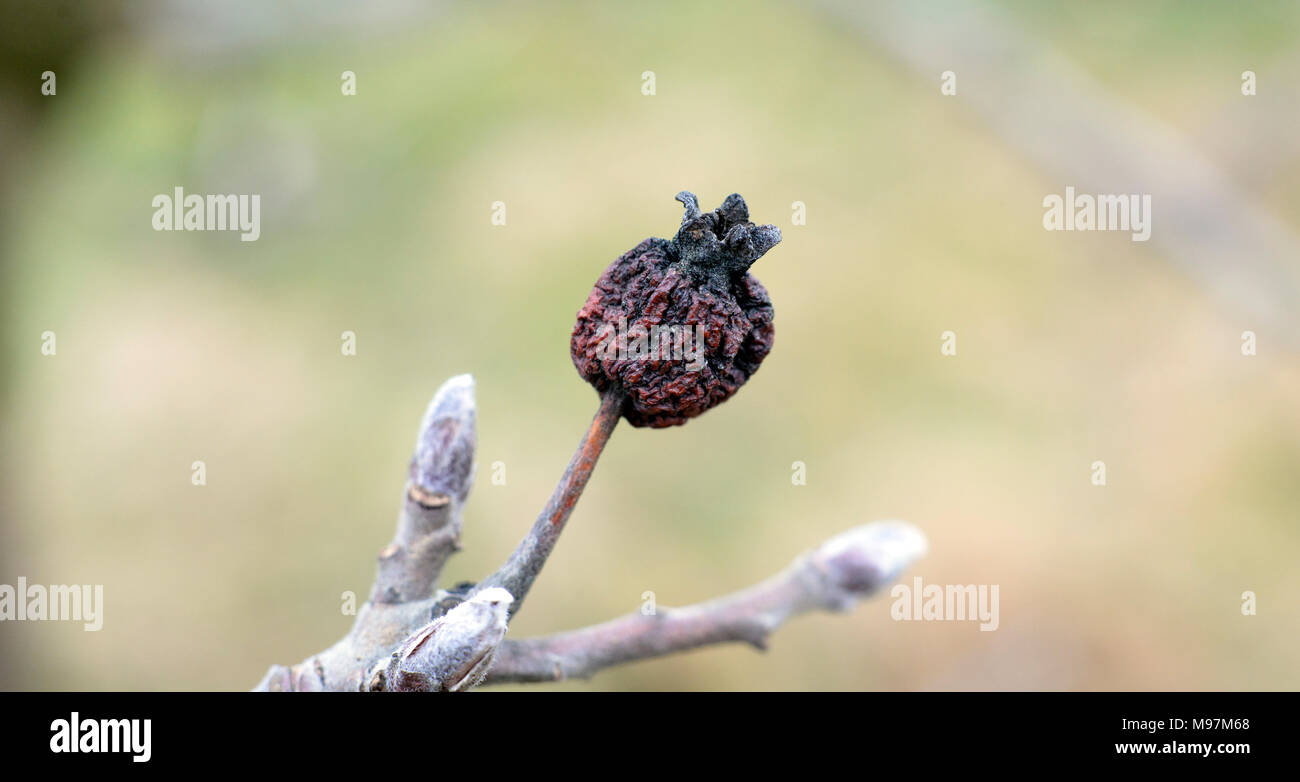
(428, 533)
(441, 474)
(405, 630)
(832, 577)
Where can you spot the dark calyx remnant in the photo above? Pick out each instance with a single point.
(723, 243)
(680, 325)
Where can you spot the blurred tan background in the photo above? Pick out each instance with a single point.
(923, 215)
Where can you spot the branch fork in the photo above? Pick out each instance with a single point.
(406, 637)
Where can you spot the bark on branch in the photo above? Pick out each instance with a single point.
(832, 577)
(441, 474)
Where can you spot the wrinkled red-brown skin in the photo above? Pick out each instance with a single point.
(648, 287)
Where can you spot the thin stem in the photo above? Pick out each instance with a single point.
(519, 572)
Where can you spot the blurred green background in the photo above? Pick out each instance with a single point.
(183, 346)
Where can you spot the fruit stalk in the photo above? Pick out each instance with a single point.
(518, 573)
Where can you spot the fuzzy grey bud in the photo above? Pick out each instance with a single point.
(860, 561)
(443, 462)
(455, 651)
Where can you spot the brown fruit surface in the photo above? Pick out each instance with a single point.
(719, 317)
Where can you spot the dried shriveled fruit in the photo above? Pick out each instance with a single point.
(680, 325)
